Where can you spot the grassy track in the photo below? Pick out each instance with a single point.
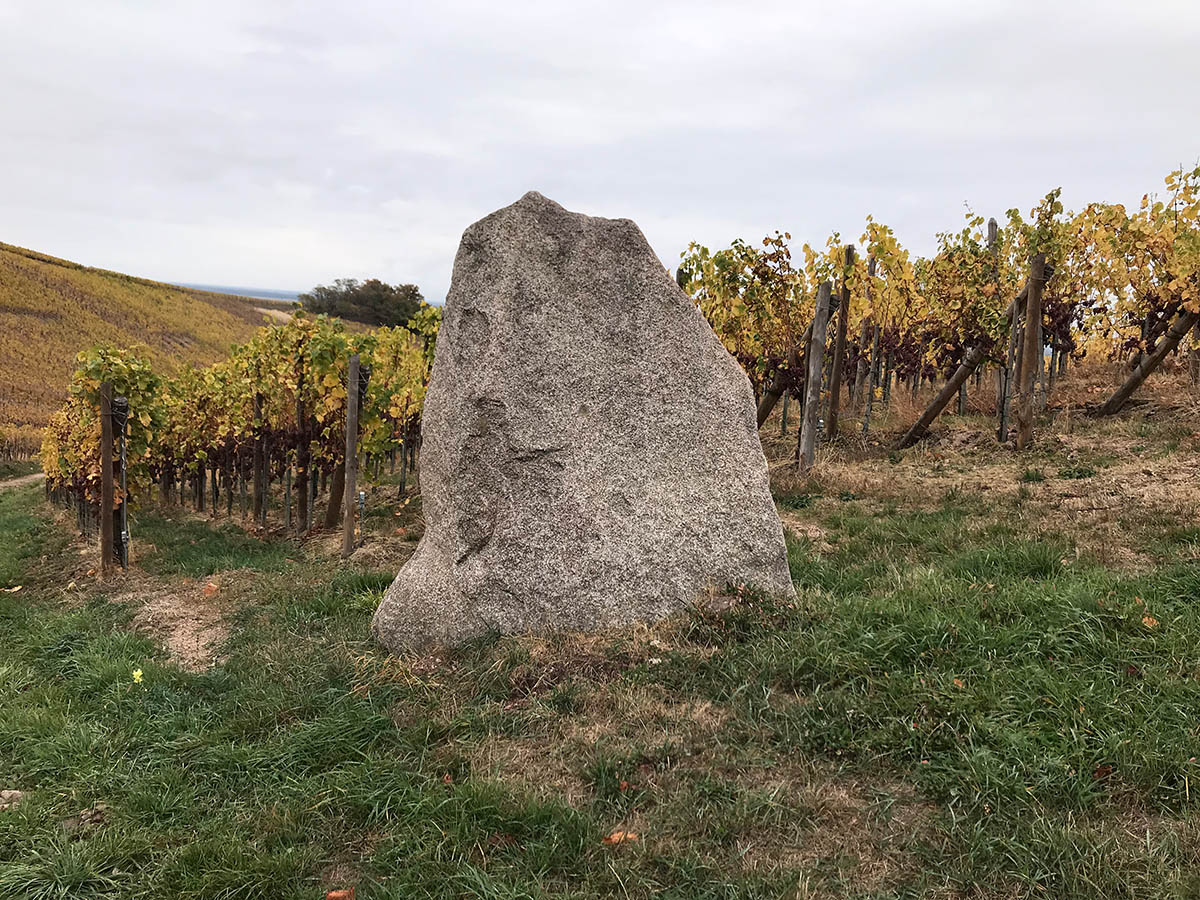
(957, 707)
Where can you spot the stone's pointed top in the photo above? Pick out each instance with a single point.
(589, 451)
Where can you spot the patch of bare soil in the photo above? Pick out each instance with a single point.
(21, 481)
(188, 618)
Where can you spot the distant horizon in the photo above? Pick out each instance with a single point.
(250, 293)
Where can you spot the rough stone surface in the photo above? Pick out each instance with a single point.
(590, 456)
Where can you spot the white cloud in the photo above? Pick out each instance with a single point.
(278, 144)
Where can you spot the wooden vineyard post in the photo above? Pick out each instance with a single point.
(106, 480)
(303, 461)
(783, 416)
(806, 448)
(839, 347)
(258, 466)
(933, 410)
(1149, 362)
(1029, 361)
(350, 490)
(120, 513)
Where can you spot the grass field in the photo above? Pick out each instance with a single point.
(989, 688)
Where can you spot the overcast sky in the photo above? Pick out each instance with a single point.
(282, 144)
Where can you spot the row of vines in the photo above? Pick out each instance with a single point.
(1119, 284)
(274, 410)
(1124, 286)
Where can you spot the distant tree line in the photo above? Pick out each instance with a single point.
(372, 302)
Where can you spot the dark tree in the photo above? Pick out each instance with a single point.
(372, 302)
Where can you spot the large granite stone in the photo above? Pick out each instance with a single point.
(589, 456)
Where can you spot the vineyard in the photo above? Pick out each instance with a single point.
(274, 412)
(1105, 283)
(863, 321)
(985, 686)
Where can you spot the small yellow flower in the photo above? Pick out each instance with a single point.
(137, 676)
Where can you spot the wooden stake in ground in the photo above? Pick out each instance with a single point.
(933, 410)
(971, 361)
(839, 347)
(259, 466)
(351, 463)
(1029, 361)
(1149, 363)
(302, 458)
(806, 448)
(106, 480)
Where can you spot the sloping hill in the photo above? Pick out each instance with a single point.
(50, 309)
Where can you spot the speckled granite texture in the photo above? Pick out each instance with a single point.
(590, 456)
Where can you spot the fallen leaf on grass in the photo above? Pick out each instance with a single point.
(13, 590)
(620, 837)
(1102, 772)
(210, 589)
(1150, 621)
(347, 894)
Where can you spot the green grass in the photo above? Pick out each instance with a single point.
(15, 468)
(25, 536)
(950, 708)
(181, 546)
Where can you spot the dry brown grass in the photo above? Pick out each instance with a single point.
(1146, 461)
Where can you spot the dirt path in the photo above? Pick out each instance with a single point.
(21, 481)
